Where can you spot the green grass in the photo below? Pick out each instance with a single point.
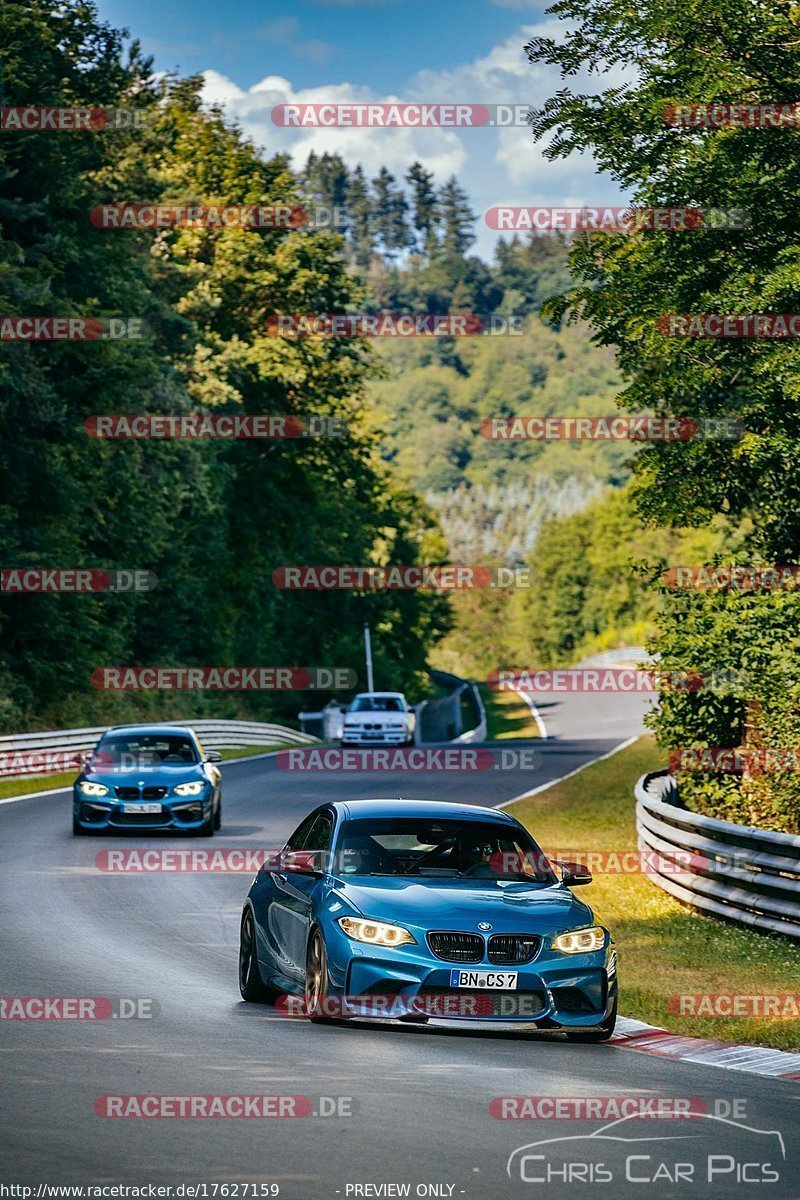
(21, 785)
(664, 948)
(246, 751)
(507, 715)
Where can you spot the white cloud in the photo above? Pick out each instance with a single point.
(496, 166)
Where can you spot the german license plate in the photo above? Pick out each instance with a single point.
(141, 808)
(503, 980)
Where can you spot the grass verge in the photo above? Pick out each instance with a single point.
(507, 715)
(665, 949)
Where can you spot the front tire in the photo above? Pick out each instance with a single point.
(317, 979)
(208, 826)
(77, 828)
(218, 815)
(251, 985)
(602, 1034)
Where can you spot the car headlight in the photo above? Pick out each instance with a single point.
(93, 789)
(582, 941)
(189, 789)
(377, 933)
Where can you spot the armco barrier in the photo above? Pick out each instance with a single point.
(443, 718)
(743, 874)
(215, 735)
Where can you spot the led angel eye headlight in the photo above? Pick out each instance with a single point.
(93, 789)
(582, 941)
(376, 933)
(189, 789)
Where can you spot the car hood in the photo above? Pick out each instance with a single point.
(375, 718)
(439, 904)
(161, 776)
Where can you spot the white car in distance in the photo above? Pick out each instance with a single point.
(379, 719)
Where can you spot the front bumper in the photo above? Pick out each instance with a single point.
(376, 737)
(108, 812)
(554, 991)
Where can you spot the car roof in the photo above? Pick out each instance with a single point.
(152, 729)
(398, 807)
(402, 694)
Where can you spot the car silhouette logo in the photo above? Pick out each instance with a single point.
(484, 925)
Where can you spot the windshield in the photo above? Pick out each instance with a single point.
(134, 751)
(376, 704)
(456, 849)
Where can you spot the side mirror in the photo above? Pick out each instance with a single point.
(573, 874)
(213, 756)
(303, 862)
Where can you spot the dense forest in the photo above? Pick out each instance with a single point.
(211, 519)
(623, 287)
(413, 480)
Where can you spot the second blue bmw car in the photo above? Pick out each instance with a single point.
(419, 909)
(149, 777)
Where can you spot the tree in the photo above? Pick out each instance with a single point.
(424, 207)
(360, 224)
(389, 212)
(457, 219)
(211, 519)
(626, 286)
(326, 179)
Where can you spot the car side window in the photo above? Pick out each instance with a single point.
(297, 839)
(320, 834)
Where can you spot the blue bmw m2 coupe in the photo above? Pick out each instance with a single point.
(412, 909)
(148, 777)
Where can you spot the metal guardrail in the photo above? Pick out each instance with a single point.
(447, 710)
(481, 731)
(743, 874)
(25, 753)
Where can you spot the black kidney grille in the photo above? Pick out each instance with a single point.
(127, 793)
(457, 947)
(511, 948)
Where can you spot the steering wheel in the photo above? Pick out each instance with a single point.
(424, 858)
(481, 870)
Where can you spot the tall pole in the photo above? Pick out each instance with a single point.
(368, 653)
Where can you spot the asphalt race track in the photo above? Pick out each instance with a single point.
(411, 1104)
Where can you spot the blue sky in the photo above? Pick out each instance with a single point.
(379, 43)
(254, 56)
